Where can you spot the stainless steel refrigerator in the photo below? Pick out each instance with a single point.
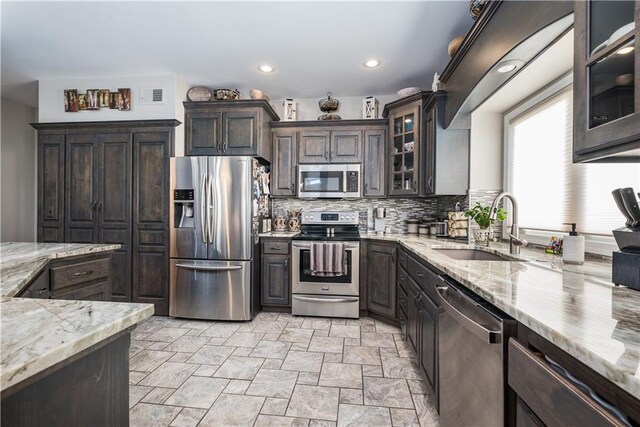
(213, 238)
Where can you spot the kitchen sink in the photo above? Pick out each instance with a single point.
(473, 255)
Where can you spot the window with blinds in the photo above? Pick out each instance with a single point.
(550, 189)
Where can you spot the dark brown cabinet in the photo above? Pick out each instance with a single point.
(285, 163)
(444, 166)
(346, 146)
(374, 171)
(98, 202)
(314, 147)
(428, 338)
(229, 128)
(606, 106)
(405, 145)
(51, 179)
(381, 292)
(276, 274)
(108, 182)
(151, 219)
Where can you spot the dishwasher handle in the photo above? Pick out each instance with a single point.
(485, 334)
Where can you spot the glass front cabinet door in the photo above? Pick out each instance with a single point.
(405, 148)
(606, 84)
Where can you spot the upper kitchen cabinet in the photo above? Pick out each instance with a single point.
(445, 153)
(405, 140)
(606, 81)
(361, 142)
(229, 128)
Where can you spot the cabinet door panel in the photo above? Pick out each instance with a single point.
(375, 152)
(314, 147)
(202, 133)
(429, 164)
(51, 158)
(82, 188)
(239, 130)
(275, 280)
(150, 281)
(412, 314)
(428, 340)
(285, 161)
(382, 279)
(346, 146)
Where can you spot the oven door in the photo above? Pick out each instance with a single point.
(305, 283)
(322, 181)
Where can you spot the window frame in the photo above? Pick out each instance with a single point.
(594, 244)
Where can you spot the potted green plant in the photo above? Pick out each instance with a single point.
(481, 215)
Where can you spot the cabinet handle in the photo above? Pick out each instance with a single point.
(94, 206)
(225, 144)
(418, 273)
(42, 291)
(286, 263)
(414, 185)
(100, 207)
(430, 182)
(82, 273)
(393, 258)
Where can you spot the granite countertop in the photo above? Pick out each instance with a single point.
(39, 333)
(577, 308)
(21, 262)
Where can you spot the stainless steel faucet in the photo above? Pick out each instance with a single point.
(515, 242)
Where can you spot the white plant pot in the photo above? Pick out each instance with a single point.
(483, 235)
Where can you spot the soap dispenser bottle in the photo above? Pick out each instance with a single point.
(573, 246)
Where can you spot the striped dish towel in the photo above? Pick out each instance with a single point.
(327, 259)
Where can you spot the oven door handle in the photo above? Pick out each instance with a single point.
(308, 245)
(316, 299)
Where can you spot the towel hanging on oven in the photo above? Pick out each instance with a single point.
(327, 259)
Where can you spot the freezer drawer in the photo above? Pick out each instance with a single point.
(212, 290)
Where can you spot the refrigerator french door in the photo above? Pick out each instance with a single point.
(211, 237)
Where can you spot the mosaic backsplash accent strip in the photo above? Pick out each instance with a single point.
(397, 210)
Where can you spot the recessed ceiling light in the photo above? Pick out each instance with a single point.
(625, 50)
(266, 68)
(509, 66)
(371, 63)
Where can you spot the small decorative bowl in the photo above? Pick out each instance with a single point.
(227, 94)
(257, 94)
(407, 91)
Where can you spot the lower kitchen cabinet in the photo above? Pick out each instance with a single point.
(84, 278)
(428, 338)
(547, 393)
(381, 265)
(276, 275)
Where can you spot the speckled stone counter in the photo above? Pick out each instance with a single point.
(21, 262)
(575, 307)
(39, 333)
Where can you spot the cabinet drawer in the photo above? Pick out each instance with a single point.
(402, 295)
(96, 292)
(402, 259)
(552, 397)
(82, 272)
(418, 272)
(276, 248)
(39, 288)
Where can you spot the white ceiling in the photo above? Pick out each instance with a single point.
(315, 46)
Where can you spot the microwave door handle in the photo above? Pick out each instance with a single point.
(203, 208)
(345, 178)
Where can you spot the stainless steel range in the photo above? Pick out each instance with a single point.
(319, 293)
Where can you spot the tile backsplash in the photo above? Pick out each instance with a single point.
(397, 210)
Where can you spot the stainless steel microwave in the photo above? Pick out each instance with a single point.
(329, 181)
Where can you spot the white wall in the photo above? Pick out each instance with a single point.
(51, 99)
(486, 151)
(350, 107)
(18, 173)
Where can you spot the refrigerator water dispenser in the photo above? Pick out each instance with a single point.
(183, 209)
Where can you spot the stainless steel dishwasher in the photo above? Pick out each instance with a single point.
(472, 348)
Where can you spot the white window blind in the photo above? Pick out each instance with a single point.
(550, 189)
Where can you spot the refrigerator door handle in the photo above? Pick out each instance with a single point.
(203, 206)
(210, 209)
(205, 268)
